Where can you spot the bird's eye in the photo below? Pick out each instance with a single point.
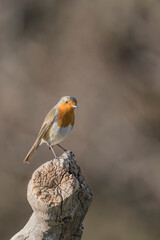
(66, 101)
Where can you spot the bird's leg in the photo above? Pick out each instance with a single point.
(61, 147)
(50, 147)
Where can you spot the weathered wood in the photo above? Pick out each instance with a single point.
(60, 198)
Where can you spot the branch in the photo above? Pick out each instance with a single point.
(60, 198)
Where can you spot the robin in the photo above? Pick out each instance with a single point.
(56, 126)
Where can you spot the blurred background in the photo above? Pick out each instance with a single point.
(107, 55)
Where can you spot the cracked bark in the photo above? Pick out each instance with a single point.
(60, 198)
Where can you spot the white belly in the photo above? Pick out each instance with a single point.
(58, 134)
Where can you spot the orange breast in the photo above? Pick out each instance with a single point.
(65, 117)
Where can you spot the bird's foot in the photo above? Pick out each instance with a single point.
(56, 157)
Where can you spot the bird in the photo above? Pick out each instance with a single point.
(56, 127)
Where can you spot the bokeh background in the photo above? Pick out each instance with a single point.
(107, 55)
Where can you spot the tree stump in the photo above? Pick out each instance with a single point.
(60, 198)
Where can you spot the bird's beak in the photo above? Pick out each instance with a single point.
(74, 106)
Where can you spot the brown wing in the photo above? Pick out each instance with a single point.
(45, 127)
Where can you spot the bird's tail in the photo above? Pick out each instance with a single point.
(31, 152)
